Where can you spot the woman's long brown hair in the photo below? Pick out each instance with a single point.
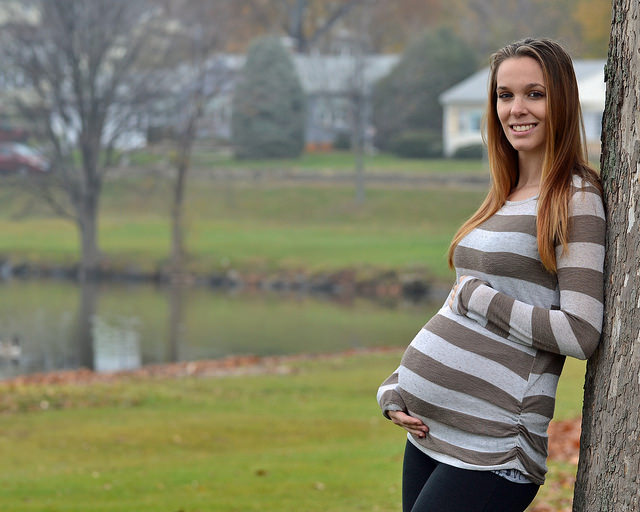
(565, 149)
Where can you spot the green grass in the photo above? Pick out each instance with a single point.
(335, 161)
(252, 227)
(570, 390)
(312, 440)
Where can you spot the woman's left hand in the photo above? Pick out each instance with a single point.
(454, 291)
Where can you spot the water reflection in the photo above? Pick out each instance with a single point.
(175, 326)
(115, 344)
(54, 325)
(83, 339)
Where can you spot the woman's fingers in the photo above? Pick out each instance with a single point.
(454, 291)
(416, 432)
(413, 425)
(453, 295)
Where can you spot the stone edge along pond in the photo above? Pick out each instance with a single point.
(375, 284)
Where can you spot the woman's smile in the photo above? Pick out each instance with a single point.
(522, 128)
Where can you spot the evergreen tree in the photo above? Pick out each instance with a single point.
(268, 105)
(406, 100)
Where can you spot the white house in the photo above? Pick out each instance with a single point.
(463, 107)
(328, 82)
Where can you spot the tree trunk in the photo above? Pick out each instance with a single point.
(358, 129)
(297, 14)
(359, 98)
(88, 225)
(177, 221)
(196, 108)
(176, 321)
(609, 467)
(87, 309)
(177, 208)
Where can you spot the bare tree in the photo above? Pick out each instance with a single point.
(306, 22)
(490, 24)
(609, 466)
(359, 92)
(200, 32)
(358, 96)
(77, 72)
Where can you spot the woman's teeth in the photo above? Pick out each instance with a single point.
(522, 127)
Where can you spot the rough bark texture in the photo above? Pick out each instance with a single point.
(609, 467)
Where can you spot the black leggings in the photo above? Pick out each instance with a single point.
(430, 486)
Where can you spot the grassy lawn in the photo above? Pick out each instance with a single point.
(335, 161)
(310, 440)
(252, 226)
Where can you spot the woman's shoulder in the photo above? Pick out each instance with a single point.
(585, 179)
(586, 197)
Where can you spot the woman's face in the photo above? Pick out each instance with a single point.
(522, 104)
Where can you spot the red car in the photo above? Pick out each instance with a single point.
(16, 157)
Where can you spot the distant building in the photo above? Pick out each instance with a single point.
(328, 82)
(463, 107)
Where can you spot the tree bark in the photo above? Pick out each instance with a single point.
(358, 122)
(609, 467)
(87, 216)
(89, 251)
(177, 216)
(87, 309)
(176, 321)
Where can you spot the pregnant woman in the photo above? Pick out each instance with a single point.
(475, 389)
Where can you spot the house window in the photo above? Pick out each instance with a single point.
(469, 121)
(322, 114)
(340, 117)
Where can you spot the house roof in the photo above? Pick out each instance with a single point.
(327, 74)
(589, 74)
(335, 73)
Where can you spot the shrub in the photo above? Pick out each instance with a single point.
(268, 116)
(342, 140)
(157, 134)
(471, 152)
(407, 98)
(417, 144)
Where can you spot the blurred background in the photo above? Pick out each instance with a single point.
(194, 179)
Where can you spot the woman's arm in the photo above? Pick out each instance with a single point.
(574, 329)
(388, 397)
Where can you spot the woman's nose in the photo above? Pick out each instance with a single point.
(518, 107)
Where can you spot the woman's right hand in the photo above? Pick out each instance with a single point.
(409, 423)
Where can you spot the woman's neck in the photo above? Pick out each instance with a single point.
(529, 176)
(529, 171)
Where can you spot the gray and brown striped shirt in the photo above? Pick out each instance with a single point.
(483, 374)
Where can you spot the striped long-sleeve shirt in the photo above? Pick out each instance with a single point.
(483, 373)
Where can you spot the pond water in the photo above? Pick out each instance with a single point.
(57, 325)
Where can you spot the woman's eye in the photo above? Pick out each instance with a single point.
(536, 94)
(504, 95)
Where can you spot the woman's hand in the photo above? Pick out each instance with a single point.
(409, 423)
(454, 291)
